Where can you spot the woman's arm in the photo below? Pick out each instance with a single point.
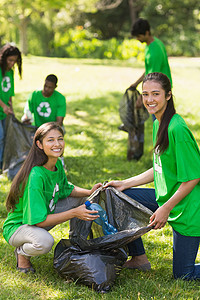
(143, 178)
(80, 192)
(160, 216)
(80, 212)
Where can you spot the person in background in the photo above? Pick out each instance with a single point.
(39, 195)
(156, 59)
(176, 177)
(9, 56)
(46, 105)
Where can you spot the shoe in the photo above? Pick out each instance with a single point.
(122, 127)
(144, 267)
(23, 270)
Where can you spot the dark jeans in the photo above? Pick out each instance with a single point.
(185, 248)
(146, 197)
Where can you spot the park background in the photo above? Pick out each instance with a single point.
(88, 46)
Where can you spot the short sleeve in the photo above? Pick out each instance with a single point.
(187, 155)
(62, 107)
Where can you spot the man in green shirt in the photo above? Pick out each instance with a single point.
(46, 105)
(156, 59)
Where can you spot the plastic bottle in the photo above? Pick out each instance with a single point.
(103, 219)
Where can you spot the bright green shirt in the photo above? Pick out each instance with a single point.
(156, 59)
(6, 89)
(46, 109)
(179, 163)
(41, 194)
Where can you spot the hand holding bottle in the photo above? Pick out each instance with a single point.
(102, 219)
(81, 212)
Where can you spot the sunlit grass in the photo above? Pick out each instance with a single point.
(96, 151)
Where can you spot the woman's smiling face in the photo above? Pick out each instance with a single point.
(154, 98)
(53, 144)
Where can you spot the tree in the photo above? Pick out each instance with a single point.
(21, 12)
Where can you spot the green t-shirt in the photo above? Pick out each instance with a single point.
(41, 194)
(6, 89)
(46, 109)
(156, 59)
(179, 163)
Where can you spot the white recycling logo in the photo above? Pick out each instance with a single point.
(6, 84)
(41, 107)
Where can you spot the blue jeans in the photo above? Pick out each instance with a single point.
(185, 248)
(145, 196)
(2, 137)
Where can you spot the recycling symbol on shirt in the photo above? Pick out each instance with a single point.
(6, 84)
(52, 204)
(44, 109)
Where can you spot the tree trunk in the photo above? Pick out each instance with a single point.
(135, 7)
(23, 35)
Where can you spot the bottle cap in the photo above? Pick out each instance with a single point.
(87, 203)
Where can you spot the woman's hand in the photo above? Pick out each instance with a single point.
(116, 184)
(159, 217)
(7, 110)
(81, 212)
(95, 187)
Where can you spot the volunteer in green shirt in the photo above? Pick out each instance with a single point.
(156, 59)
(9, 56)
(176, 176)
(46, 105)
(39, 198)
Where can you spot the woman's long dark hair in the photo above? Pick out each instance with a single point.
(36, 157)
(162, 142)
(10, 50)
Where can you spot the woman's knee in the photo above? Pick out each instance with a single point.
(44, 245)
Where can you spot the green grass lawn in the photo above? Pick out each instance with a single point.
(96, 151)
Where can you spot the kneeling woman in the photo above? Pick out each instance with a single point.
(176, 176)
(34, 203)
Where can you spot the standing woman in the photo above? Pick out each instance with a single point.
(9, 56)
(176, 176)
(34, 203)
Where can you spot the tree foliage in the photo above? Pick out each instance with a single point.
(39, 26)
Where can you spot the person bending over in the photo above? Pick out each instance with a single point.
(9, 56)
(46, 105)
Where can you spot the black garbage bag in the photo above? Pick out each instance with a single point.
(129, 217)
(18, 141)
(95, 268)
(133, 119)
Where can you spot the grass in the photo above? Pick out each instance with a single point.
(96, 151)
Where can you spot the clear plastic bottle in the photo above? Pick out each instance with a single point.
(103, 219)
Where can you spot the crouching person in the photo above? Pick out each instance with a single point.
(34, 203)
